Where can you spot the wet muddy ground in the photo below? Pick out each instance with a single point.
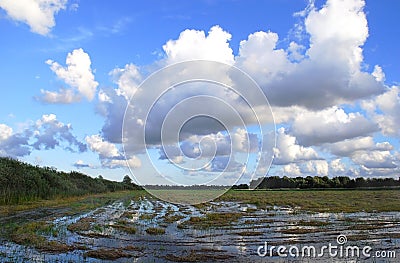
(155, 231)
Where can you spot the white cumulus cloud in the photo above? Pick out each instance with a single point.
(77, 74)
(288, 151)
(5, 132)
(330, 125)
(37, 14)
(103, 148)
(195, 44)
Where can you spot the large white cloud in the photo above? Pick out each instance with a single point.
(337, 32)
(109, 154)
(384, 110)
(375, 159)
(103, 148)
(209, 145)
(38, 14)
(77, 74)
(316, 167)
(133, 162)
(305, 168)
(13, 144)
(5, 132)
(330, 125)
(288, 151)
(258, 57)
(291, 170)
(330, 72)
(63, 96)
(307, 86)
(194, 44)
(336, 166)
(127, 79)
(50, 132)
(45, 133)
(349, 146)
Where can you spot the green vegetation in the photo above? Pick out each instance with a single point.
(155, 231)
(275, 182)
(187, 194)
(212, 220)
(320, 200)
(16, 218)
(300, 230)
(147, 216)
(83, 224)
(125, 228)
(170, 218)
(312, 223)
(107, 254)
(199, 256)
(21, 182)
(73, 204)
(250, 233)
(34, 234)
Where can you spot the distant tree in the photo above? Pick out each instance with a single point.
(127, 180)
(240, 186)
(22, 182)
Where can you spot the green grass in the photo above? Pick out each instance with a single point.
(147, 216)
(312, 223)
(187, 196)
(33, 233)
(211, 220)
(155, 231)
(76, 204)
(320, 200)
(125, 228)
(170, 218)
(106, 254)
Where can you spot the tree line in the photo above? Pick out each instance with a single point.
(309, 182)
(21, 182)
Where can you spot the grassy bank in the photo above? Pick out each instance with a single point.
(25, 223)
(74, 204)
(21, 183)
(310, 200)
(321, 200)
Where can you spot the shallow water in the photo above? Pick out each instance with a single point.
(236, 241)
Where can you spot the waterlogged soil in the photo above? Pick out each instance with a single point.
(155, 231)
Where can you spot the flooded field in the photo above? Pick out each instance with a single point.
(148, 230)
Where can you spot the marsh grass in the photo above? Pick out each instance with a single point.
(170, 218)
(300, 230)
(107, 254)
(147, 216)
(35, 234)
(188, 196)
(83, 224)
(211, 220)
(312, 223)
(320, 200)
(125, 228)
(155, 231)
(198, 256)
(76, 204)
(249, 233)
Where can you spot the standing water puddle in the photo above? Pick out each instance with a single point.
(156, 231)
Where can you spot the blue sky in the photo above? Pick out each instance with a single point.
(329, 70)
